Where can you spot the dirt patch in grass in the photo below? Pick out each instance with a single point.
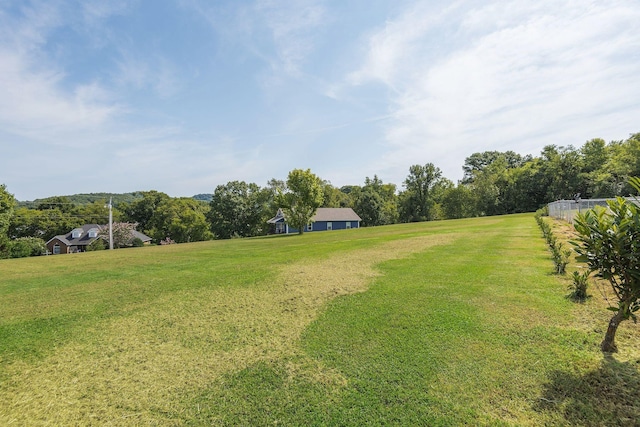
(140, 367)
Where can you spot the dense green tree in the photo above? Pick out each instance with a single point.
(60, 203)
(370, 207)
(182, 220)
(26, 247)
(525, 189)
(562, 167)
(623, 163)
(7, 204)
(238, 209)
(301, 199)
(142, 211)
(376, 202)
(417, 202)
(43, 224)
(486, 186)
(459, 202)
(594, 154)
(333, 197)
(478, 162)
(97, 212)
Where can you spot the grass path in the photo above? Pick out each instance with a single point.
(448, 323)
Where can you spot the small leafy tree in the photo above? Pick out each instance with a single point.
(609, 242)
(303, 197)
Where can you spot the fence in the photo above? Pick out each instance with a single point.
(567, 209)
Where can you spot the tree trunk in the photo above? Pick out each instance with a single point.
(608, 345)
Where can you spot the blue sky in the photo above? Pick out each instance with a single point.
(180, 96)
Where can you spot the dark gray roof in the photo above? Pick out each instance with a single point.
(141, 236)
(84, 238)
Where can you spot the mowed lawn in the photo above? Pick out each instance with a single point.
(443, 323)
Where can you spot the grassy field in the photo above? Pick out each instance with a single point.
(437, 324)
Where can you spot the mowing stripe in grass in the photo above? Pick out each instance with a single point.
(128, 366)
(462, 334)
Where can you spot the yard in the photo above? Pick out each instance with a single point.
(442, 323)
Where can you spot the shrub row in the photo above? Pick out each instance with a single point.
(559, 254)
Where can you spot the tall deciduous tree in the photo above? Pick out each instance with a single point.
(478, 162)
(609, 242)
(376, 202)
(417, 201)
(238, 209)
(183, 220)
(7, 204)
(304, 195)
(459, 202)
(623, 163)
(332, 197)
(143, 210)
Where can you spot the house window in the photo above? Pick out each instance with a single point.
(310, 226)
(76, 233)
(93, 233)
(56, 249)
(348, 225)
(329, 226)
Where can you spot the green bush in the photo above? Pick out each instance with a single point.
(559, 255)
(97, 245)
(26, 246)
(579, 286)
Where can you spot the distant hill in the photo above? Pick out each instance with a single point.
(118, 198)
(203, 197)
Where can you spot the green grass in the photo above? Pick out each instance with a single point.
(445, 323)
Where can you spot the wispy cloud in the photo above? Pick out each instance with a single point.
(282, 34)
(33, 101)
(292, 25)
(521, 79)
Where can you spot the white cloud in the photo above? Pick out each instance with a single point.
(282, 34)
(33, 100)
(292, 25)
(514, 75)
(32, 103)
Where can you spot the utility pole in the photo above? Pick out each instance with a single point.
(110, 224)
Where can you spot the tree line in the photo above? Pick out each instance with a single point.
(494, 183)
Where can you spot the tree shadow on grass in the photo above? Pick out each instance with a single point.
(607, 396)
